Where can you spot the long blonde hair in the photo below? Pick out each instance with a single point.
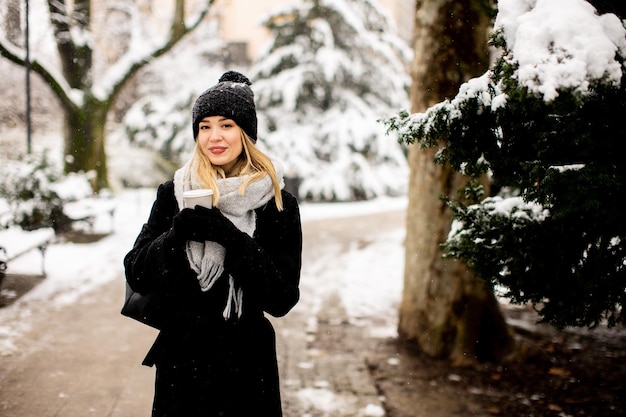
(252, 162)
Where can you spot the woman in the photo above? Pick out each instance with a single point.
(220, 269)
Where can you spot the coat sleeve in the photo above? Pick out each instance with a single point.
(154, 262)
(268, 266)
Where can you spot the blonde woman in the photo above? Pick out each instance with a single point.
(220, 270)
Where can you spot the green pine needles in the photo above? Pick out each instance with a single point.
(553, 231)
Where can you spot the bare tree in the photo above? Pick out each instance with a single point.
(445, 309)
(86, 97)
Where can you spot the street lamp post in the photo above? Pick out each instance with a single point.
(27, 65)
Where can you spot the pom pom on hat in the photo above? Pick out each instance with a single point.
(235, 77)
(231, 97)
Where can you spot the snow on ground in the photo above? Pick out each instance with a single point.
(74, 269)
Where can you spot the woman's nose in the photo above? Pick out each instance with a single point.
(215, 135)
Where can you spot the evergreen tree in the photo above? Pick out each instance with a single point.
(160, 119)
(546, 122)
(330, 71)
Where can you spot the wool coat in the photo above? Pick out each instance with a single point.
(206, 365)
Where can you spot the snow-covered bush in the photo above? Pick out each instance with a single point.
(162, 124)
(547, 121)
(35, 190)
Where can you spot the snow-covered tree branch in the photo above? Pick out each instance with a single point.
(546, 123)
(86, 93)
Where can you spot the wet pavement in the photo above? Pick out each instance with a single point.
(85, 359)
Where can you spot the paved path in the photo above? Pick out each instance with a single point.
(84, 360)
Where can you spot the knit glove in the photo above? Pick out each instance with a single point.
(187, 225)
(218, 228)
(202, 224)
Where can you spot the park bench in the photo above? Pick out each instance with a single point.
(5, 213)
(87, 210)
(15, 242)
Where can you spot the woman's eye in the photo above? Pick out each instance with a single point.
(227, 125)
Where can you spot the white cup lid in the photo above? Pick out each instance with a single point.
(198, 193)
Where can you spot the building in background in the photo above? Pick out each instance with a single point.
(241, 24)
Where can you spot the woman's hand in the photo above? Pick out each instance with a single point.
(202, 224)
(219, 228)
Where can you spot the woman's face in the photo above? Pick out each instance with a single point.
(220, 140)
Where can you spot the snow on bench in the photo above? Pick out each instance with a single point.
(15, 242)
(5, 213)
(88, 210)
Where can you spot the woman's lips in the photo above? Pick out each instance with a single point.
(217, 150)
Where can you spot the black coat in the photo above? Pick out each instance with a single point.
(207, 366)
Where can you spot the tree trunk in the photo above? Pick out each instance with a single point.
(84, 141)
(445, 309)
(13, 21)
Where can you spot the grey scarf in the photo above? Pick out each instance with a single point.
(207, 258)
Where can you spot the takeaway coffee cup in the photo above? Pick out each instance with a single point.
(201, 197)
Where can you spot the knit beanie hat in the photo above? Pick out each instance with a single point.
(231, 97)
